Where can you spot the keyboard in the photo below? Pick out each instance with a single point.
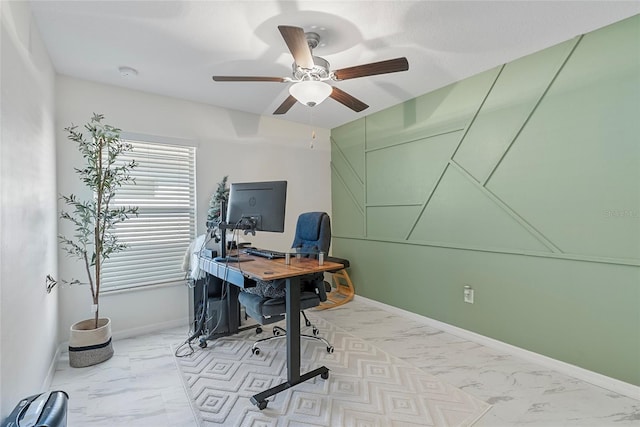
(264, 253)
(229, 259)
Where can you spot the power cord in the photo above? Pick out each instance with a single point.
(200, 325)
(189, 340)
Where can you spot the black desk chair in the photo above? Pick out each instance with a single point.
(313, 235)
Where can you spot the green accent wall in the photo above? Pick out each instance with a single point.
(522, 182)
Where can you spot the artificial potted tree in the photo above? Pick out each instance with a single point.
(215, 204)
(93, 239)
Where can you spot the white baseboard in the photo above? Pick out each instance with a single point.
(46, 384)
(148, 329)
(131, 333)
(591, 377)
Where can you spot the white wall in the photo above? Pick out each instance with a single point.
(28, 315)
(244, 146)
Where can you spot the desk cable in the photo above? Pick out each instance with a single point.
(203, 320)
(200, 324)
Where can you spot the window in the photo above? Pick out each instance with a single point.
(158, 238)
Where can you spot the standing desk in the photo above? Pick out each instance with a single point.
(245, 274)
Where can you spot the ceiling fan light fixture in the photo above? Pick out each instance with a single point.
(310, 92)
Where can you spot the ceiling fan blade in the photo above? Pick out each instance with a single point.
(382, 67)
(247, 79)
(297, 43)
(348, 100)
(286, 105)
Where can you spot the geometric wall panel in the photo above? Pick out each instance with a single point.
(513, 97)
(405, 173)
(460, 213)
(538, 211)
(350, 141)
(577, 180)
(344, 207)
(348, 176)
(390, 222)
(443, 110)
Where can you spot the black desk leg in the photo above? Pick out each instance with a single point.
(293, 330)
(293, 349)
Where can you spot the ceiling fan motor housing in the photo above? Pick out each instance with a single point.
(313, 39)
(320, 70)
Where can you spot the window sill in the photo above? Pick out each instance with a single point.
(128, 289)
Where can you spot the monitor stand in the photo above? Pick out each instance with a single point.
(224, 226)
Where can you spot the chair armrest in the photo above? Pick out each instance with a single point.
(342, 261)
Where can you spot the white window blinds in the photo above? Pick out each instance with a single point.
(158, 238)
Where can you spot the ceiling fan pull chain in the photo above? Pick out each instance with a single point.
(313, 131)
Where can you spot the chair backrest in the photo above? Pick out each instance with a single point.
(313, 232)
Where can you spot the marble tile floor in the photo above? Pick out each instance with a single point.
(140, 386)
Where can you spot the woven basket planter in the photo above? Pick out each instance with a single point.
(88, 345)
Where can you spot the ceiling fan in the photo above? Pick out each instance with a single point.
(310, 73)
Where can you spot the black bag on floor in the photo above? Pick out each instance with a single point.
(40, 410)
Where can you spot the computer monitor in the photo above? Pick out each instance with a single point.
(257, 206)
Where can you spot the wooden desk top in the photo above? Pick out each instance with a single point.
(270, 269)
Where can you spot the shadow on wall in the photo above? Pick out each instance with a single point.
(244, 124)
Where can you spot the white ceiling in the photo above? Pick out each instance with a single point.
(177, 46)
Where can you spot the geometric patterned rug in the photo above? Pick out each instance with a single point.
(366, 386)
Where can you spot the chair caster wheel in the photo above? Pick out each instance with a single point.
(308, 323)
(315, 331)
(330, 349)
(203, 343)
(324, 375)
(258, 330)
(262, 405)
(256, 351)
(276, 332)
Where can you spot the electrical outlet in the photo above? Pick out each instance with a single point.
(468, 294)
